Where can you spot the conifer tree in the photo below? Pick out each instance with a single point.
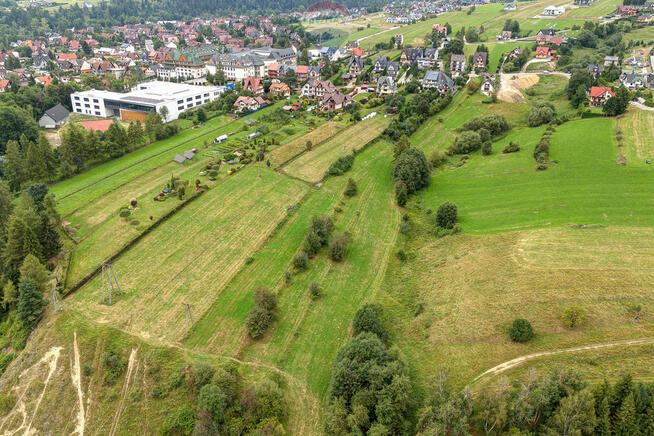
(14, 252)
(31, 244)
(36, 166)
(603, 427)
(625, 420)
(48, 237)
(14, 166)
(34, 270)
(45, 149)
(9, 295)
(30, 303)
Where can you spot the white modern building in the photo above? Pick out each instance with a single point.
(554, 11)
(143, 99)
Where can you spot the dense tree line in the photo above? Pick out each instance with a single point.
(28, 240)
(412, 112)
(479, 132)
(35, 99)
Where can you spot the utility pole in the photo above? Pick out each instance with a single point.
(189, 317)
(55, 301)
(109, 281)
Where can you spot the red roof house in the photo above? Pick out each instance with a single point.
(542, 52)
(599, 95)
(254, 84)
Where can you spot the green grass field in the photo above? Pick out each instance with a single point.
(504, 192)
(193, 254)
(288, 151)
(293, 343)
(312, 165)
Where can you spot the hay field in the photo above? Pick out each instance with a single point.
(472, 287)
(311, 166)
(192, 256)
(308, 333)
(636, 127)
(295, 147)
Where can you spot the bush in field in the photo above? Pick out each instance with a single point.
(574, 316)
(401, 194)
(262, 314)
(486, 148)
(495, 124)
(180, 422)
(301, 261)
(125, 213)
(446, 215)
(351, 188)
(338, 246)
(314, 290)
(412, 169)
(341, 165)
(512, 147)
(521, 330)
(541, 113)
(466, 142)
(368, 319)
(437, 159)
(114, 365)
(212, 400)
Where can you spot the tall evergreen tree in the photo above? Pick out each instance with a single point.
(45, 149)
(30, 303)
(36, 165)
(625, 420)
(9, 295)
(31, 244)
(603, 427)
(48, 237)
(14, 167)
(34, 270)
(135, 134)
(14, 250)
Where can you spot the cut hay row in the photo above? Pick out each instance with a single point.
(288, 151)
(312, 165)
(192, 255)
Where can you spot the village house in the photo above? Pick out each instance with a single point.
(506, 34)
(542, 52)
(480, 60)
(244, 104)
(611, 60)
(386, 86)
(544, 35)
(54, 117)
(410, 55)
(487, 87)
(599, 95)
(554, 11)
(427, 59)
(280, 90)
(457, 64)
(254, 84)
(438, 80)
(510, 6)
(317, 88)
(440, 30)
(398, 38)
(334, 101)
(515, 53)
(595, 69)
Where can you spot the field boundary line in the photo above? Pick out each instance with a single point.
(134, 164)
(129, 244)
(509, 364)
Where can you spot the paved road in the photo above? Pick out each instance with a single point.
(641, 106)
(533, 61)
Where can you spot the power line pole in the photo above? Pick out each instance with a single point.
(189, 317)
(55, 301)
(109, 281)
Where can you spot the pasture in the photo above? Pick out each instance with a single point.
(634, 133)
(191, 256)
(312, 165)
(308, 333)
(291, 149)
(583, 185)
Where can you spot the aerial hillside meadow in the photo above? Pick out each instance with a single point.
(454, 263)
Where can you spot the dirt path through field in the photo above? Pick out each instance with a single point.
(115, 425)
(76, 376)
(518, 360)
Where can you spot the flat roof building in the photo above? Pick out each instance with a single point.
(143, 99)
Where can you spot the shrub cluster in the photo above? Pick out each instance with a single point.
(318, 235)
(447, 215)
(477, 134)
(370, 390)
(521, 330)
(412, 169)
(541, 113)
(341, 165)
(351, 188)
(512, 147)
(338, 246)
(263, 313)
(542, 150)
